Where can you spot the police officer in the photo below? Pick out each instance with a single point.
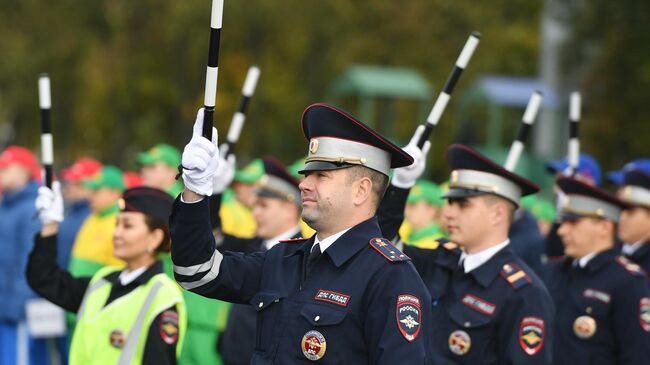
(602, 299)
(345, 295)
(488, 305)
(277, 216)
(131, 316)
(634, 227)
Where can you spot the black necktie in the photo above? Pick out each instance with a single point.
(314, 254)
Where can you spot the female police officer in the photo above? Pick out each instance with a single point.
(131, 316)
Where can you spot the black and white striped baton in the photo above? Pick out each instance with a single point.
(239, 117)
(574, 141)
(212, 72)
(45, 103)
(524, 130)
(445, 94)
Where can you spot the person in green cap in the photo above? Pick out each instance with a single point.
(542, 210)
(93, 247)
(159, 168)
(422, 213)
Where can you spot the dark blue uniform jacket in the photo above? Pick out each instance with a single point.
(356, 306)
(603, 311)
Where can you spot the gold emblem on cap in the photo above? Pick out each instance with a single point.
(584, 327)
(460, 342)
(313, 146)
(121, 203)
(626, 193)
(454, 176)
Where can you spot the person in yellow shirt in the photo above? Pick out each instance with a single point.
(236, 203)
(422, 213)
(93, 247)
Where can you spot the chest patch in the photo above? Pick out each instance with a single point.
(478, 304)
(409, 316)
(313, 345)
(598, 295)
(332, 297)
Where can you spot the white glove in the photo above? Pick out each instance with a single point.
(405, 177)
(200, 159)
(49, 204)
(225, 173)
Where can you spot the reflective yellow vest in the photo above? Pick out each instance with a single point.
(126, 320)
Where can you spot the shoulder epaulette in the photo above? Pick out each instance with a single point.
(294, 240)
(630, 266)
(446, 244)
(388, 250)
(515, 275)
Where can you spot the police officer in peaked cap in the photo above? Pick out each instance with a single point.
(344, 296)
(489, 307)
(634, 225)
(602, 301)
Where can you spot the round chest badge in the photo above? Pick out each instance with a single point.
(459, 342)
(584, 327)
(117, 339)
(313, 345)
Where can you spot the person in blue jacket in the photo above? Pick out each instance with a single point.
(344, 296)
(18, 225)
(602, 300)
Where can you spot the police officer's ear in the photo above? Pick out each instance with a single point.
(501, 210)
(605, 227)
(362, 191)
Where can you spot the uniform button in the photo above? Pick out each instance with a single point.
(467, 324)
(317, 318)
(588, 310)
(261, 304)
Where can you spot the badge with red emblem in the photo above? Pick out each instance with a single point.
(409, 316)
(644, 314)
(313, 345)
(531, 335)
(117, 339)
(169, 327)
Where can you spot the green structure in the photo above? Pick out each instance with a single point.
(367, 85)
(494, 106)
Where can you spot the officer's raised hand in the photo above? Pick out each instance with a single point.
(200, 161)
(405, 177)
(49, 205)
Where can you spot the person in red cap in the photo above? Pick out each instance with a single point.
(18, 171)
(76, 196)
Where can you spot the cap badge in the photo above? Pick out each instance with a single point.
(313, 146)
(313, 345)
(584, 327)
(459, 342)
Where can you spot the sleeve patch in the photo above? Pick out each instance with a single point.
(388, 250)
(515, 276)
(409, 316)
(644, 313)
(169, 327)
(531, 335)
(630, 266)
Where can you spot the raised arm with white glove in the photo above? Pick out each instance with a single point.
(200, 159)
(405, 177)
(49, 204)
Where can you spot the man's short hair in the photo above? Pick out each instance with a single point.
(379, 180)
(491, 199)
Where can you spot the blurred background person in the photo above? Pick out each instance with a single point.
(160, 167)
(19, 172)
(93, 247)
(634, 226)
(421, 227)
